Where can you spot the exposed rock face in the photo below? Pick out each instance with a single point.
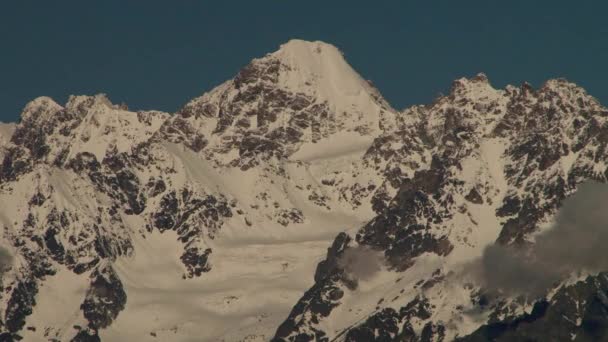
(188, 214)
(20, 305)
(105, 298)
(295, 143)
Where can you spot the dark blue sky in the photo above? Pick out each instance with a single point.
(159, 54)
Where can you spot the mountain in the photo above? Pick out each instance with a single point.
(503, 161)
(292, 203)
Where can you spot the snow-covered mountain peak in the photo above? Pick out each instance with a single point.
(319, 70)
(474, 88)
(44, 109)
(480, 77)
(471, 109)
(301, 94)
(560, 83)
(314, 62)
(561, 88)
(315, 65)
(40, 108)
(299, 52)
(55, 134)
(474, 105)
(82, 104)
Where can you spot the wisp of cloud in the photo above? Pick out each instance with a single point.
(576, 242)
(361, 262)
(6, 259)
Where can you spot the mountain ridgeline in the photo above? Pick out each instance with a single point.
(293, 203)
